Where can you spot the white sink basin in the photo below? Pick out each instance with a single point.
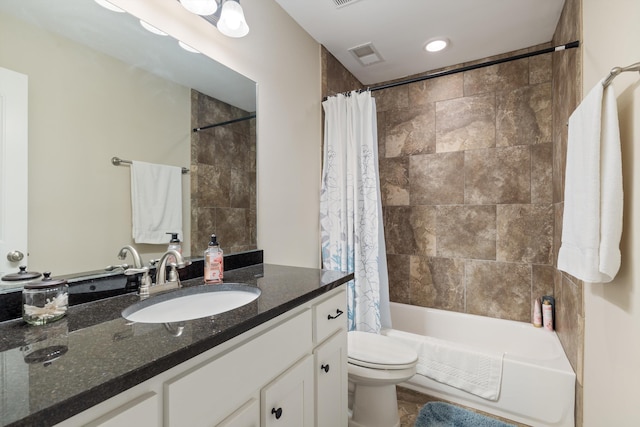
(191, 303)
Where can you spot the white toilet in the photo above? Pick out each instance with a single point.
(376, 363)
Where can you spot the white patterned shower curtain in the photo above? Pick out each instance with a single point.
(351, 210)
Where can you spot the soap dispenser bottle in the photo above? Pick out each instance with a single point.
(213, 262)
(175, 243)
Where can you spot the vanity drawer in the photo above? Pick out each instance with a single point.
(330, 315)
(208, 393)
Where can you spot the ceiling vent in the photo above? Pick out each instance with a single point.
(343, 3)
(366, 54)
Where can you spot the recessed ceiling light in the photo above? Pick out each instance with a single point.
(436, 45)
(151, 28)
(110, 6)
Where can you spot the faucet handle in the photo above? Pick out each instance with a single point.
(145, 281)
(131, 271)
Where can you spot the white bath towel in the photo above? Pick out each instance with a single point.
(463, 367)
(156, 202)
(592, 222)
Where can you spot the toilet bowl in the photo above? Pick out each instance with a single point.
(376, 363)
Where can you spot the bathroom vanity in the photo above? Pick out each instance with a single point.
(279, 360)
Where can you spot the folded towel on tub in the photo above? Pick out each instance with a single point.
(156, 202)
(463, 367)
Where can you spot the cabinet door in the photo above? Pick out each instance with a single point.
(331, 382)
(143, 411)
(247, 416)
(288, 400)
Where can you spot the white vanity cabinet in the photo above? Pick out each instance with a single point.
(330, 361)
(290, 371)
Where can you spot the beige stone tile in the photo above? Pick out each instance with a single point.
(437, 89)
(392, 99)
(497, 289)
(525, 233)
(399, 278)
(398, 233)
(240, 189)
(394, 181)
(437, 283)
(466, 123)
(410, 131)
(466, 232)
(505, 76)
(570, 322)
(524, 116)
(540, 69)
(382, 134)
(231, 229)
(213, 186)
(542, 173)
(423, 224)
(542, 281)
(436, 179)
(501, 175)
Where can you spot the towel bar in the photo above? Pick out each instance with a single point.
(617, 70)
(117, 161)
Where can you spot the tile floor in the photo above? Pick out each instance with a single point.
(410, 402)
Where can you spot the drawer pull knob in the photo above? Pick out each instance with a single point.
(325, 368)
(277, 412)
(338, 313)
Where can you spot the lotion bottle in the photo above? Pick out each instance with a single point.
(547, 315)
(537, 314)
(213, 262)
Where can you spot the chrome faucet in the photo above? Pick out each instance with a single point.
(137, 261)
(161, 273)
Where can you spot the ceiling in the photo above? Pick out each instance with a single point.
(399, 30)
(121, 36)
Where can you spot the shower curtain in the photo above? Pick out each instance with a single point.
(351, 210)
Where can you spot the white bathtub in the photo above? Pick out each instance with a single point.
(538, 383)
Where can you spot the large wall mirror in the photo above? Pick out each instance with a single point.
(102, 86)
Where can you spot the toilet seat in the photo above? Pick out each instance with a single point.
(375, 351)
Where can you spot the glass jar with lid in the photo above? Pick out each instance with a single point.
(45, 301)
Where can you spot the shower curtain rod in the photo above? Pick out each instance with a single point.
(571, 45)
(228, 122)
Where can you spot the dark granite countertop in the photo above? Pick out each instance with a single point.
(100, 354)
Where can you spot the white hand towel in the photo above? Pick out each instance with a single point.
(593, 200)
(463, 367)
(156, 202)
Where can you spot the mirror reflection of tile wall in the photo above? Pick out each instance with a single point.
(223, 177)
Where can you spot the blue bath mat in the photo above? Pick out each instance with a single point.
(440, 414)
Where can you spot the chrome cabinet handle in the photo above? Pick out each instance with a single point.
(338, 313)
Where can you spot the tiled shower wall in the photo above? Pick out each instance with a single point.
(223, 177)
(466, 178)
(567, 93)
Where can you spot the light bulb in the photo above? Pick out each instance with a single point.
(232, 22)
(436, 45)
(200, 7)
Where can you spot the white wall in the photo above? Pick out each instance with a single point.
(285, 62)
(612, 311)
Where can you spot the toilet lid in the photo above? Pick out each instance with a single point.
(371, 350)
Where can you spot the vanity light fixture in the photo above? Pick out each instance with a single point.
(232, 22)
(436, 45)
(200, 7)
(108, 5)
